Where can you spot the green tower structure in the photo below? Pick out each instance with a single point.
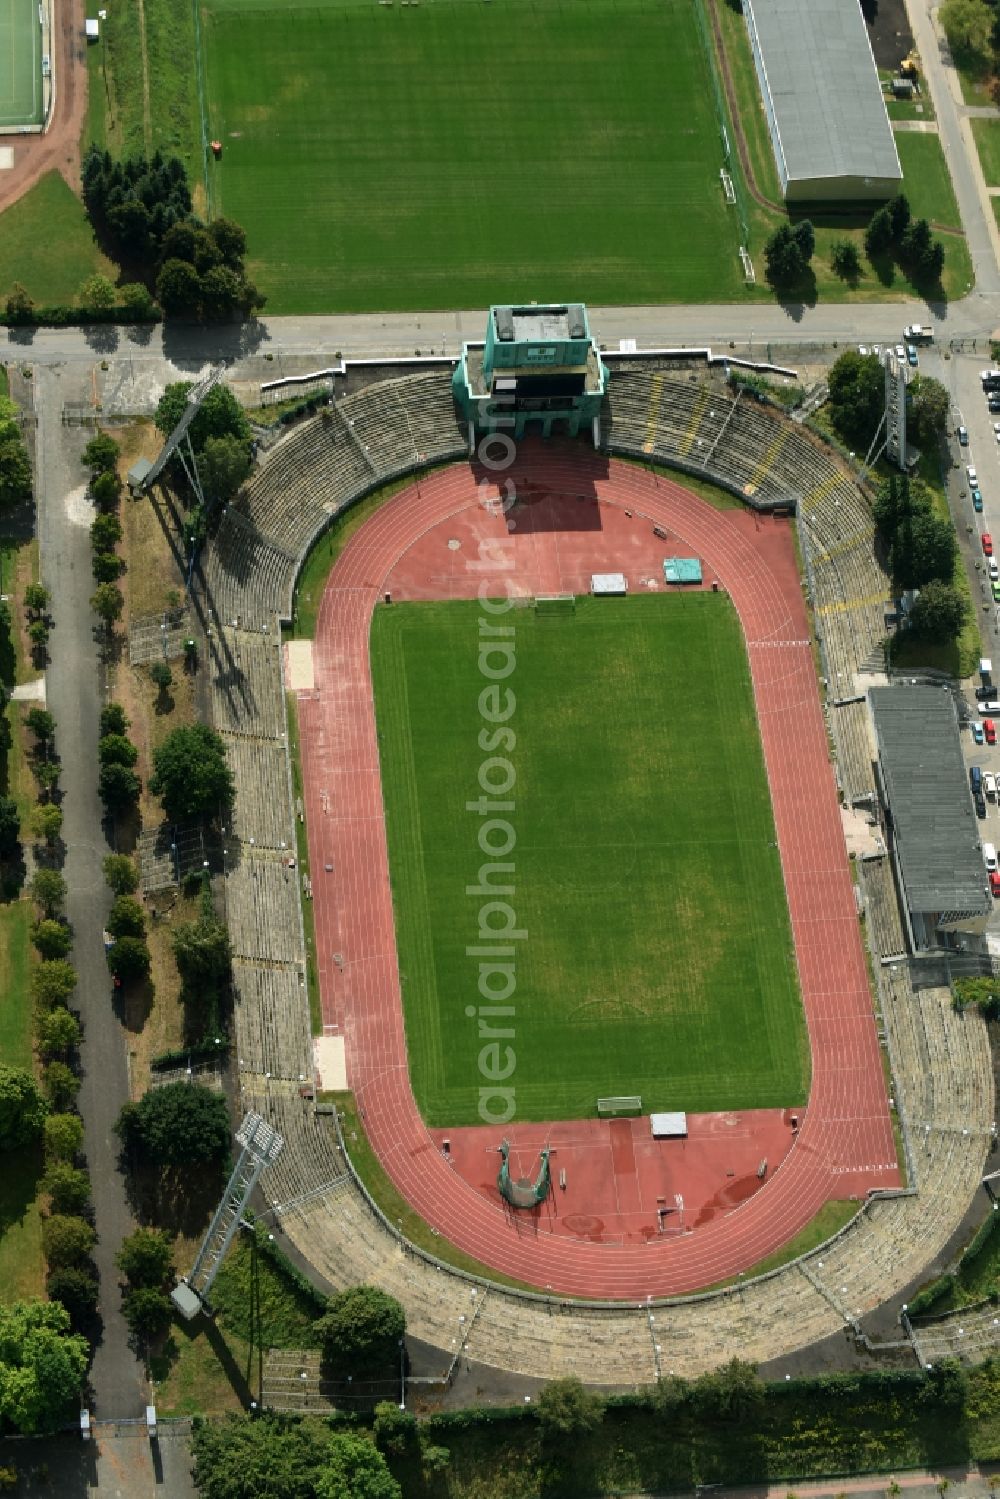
(539, 371)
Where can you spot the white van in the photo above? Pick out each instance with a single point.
(989, 857)
(990, 785)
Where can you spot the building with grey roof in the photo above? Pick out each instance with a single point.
(829, 128)
(931, 825)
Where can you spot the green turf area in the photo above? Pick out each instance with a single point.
(456, 154)
(987, 134)
(21, 50)
(47, 244)
(926, 181)
(658, 959)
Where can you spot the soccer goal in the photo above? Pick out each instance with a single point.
(610, 1108)
(555, 604)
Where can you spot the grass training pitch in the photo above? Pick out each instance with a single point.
(658, 958)
(454, 155)
(21, 79)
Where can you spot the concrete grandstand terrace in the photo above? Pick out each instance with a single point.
(845, 1145)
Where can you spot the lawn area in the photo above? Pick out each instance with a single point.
(926, 180)
(151, 101)
(15, 1011)
(987, 135)
(633, 977)
(47, 244)
(603, 176)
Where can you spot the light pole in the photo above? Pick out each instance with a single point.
(402, 1376)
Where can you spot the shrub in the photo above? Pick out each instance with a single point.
(49, 889)
(68, 1187)
(161, 675)
(113, 719)
(66, 1240)
(46, 823)
(121, 874)
(126, 918)
(147, 1311)
(101, 454)
(61, 1084)
(107, 567)
(105, 533)
(106, 490)
(52, 981)
(128, 959)
(77, 1289)
(115, 749)
(63, 1137)
(53, 939)
(58, 1032)
(146, 1258)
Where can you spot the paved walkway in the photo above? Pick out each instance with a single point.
(75, 697)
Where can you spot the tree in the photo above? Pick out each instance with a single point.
(52, 982)
(20, 307)
(354, 1469)
(785, 264)
(113, 720)
(898, 209)
(41, 723)
(53, 939)
(128, 959)
(224, 464)
(118, 787)
(107, 601)
(135, 300)
(923, 547)
(77, 1289)
(857, 396)
(106, 490)
(126, 918)
(38, 633)
(121, 873)
(49, 889)
(845, 260)
(58, 1032)
(36, 598)
(46, 822)
(63, 1137)
(61, 1082)
(394, 1429)
(101, 454)
(105, 532)
(146, 1258)
(115, 749)
(939, 613)
(178, 289)
(804, 236)
(729, 1393)
(241, 1458)
(161, 675)
(968, 25)
(879, 234)
(190, 773)
(66, 1240)
(230, 240)
(147, 1311)
(42, 1365)
(23, 1110)
(565, 1408)
(15, 473)
(220, 414)
(361, 1330)
(929, 407)
(916, 242)
(10, 826)
(177, 1124)
(107, 566)
(97, 294)
(202, 950)
(67, 1186)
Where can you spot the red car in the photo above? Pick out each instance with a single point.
(990, 730)
(995, 882)
(987, 544)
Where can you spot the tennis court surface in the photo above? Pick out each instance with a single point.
(21, 74)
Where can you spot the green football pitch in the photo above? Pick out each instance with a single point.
(393, 156)
(21, 78)
(658, 957)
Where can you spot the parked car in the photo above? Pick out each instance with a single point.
(984, 694)
(911, 355)
(993, 403)
(970, 474)
(979, 803)
(977, 500)
(995, 585)
(963, 436)
(993, 568)
(977, 733)
(995, 882)
(864, 350)
(900, 353)
(993, 706)
(990, 786)
(990, 730)
(987, 541)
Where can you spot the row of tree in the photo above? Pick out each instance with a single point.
(892, 234)
(141, 211)
(15, 467)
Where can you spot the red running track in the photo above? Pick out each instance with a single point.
(845, 1144)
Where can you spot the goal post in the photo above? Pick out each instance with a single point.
(554, 604)
(610, 1108)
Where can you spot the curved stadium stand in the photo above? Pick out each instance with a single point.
(941, 1061)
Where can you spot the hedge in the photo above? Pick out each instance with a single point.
(61, 316)
(199, 1051)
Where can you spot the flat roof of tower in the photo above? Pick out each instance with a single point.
(541, 323)
(824, 87)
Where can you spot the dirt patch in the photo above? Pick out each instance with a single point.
(888, 31)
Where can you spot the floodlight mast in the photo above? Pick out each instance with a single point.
(195, 398)
(261, 1146)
